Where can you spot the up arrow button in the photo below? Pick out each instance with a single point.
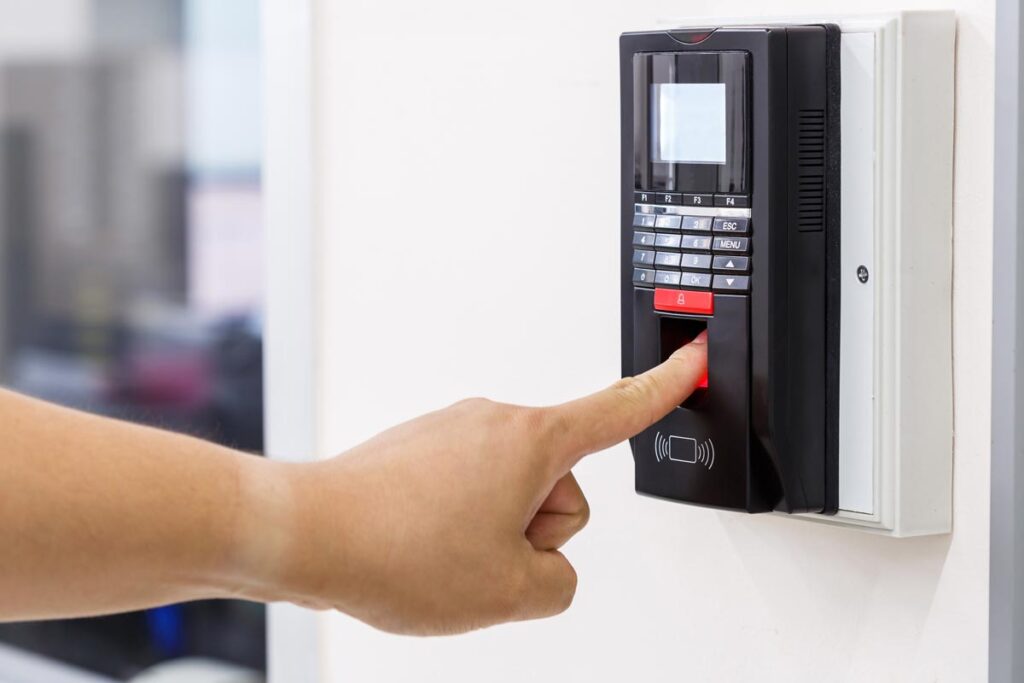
(731, 264)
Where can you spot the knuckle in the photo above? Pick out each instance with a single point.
(568, 592)
(570, 526)
(474, 404)
(637, 391)
(630, 388)
(583, 515)
(490, 412)
(549, 425)
(531, 420)
(544, 428)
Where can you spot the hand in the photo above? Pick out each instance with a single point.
(452, 521)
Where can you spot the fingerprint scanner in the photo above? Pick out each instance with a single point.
(676, 333)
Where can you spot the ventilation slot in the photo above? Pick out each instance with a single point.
(811, 138)
(810, 202)
(811, 169)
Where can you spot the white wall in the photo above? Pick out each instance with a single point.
(469, 207)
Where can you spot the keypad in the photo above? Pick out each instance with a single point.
(667, 277)
(643, 276)
(696, 280)
(667, 259)
(699, 252)
(698, 199)
(644, 220)
(643, 239)
(733, 245)
(728, 201)
(666, 222)
(735, 226)
(696, 261)
(696, 223)
(696, 242)
(732, 264)
(668, 241)
(732, 201)
(642, 257)
(732, 283)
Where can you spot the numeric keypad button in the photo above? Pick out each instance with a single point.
(643, 276)
(697, 223)
(668, 222)
(667, 277)
(643, 239)
(696, 242)
(642, 257)
(644, 220)
(667, 241)
(667, 259)
(696, 261)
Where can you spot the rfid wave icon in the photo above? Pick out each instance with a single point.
(685, 450)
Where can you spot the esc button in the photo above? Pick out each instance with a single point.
(737, 226)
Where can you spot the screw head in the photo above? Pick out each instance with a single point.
(863, 275)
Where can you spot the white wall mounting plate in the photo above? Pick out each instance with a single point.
(896, 363)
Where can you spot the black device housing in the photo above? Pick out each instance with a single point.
(764, 433)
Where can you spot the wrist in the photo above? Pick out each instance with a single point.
(290, 538)
(263, 530)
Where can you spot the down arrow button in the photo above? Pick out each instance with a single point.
(732, 283)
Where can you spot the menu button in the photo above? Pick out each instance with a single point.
(732, 244)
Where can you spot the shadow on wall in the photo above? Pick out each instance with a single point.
(867, 586)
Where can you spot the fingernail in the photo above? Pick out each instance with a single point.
(701, 338)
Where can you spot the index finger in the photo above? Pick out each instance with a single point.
(629, 406)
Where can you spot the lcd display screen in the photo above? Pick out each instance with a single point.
(688, 123)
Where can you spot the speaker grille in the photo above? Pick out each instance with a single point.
(811, 169)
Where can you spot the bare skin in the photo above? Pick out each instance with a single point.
(448, 523)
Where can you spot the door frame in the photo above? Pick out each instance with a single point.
(1006, 600)
(291, 354)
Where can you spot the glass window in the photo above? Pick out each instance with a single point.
(130, 258)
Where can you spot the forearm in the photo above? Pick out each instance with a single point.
(99, 516)
(449, 522)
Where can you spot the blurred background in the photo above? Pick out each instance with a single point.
(131, 267)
